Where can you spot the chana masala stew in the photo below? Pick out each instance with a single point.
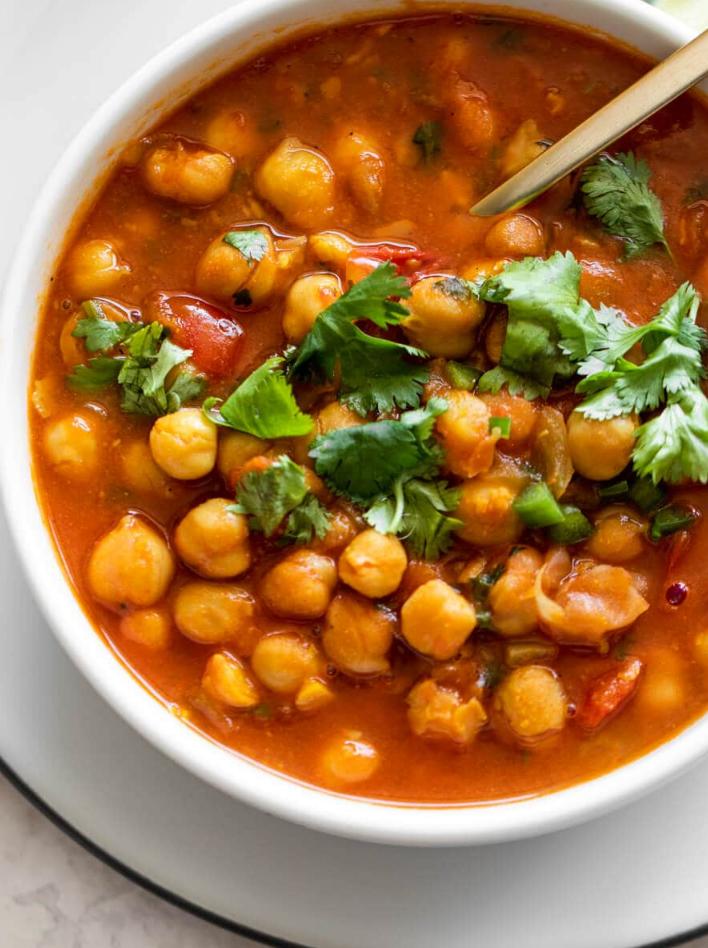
(393, 499)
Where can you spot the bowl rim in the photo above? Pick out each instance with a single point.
(229, 771)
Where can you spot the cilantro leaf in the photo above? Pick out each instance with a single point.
(98, 332)
(495, 379)
(269, 497)
(418, 511)
(252, 244)
(306, 521)
(428, 136)
(673, 446)
(616, 190)
(263, 405)
(549, 326)
(365, 461)
(374, 373)
(96, 373)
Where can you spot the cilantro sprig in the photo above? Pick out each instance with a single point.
(143, 367)
(616, 190)
(389, 468)
(279, 495)
(263, 405)
(374, 374)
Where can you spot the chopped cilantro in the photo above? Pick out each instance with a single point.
(263, 405)
(673, 446)
(670, 519)
(462, 375)
(366, 460)
(502, 425)
(280, 493)
(147, 359)
(100, 333)
(252, 244)
(418, 510)
(616, 190)
(374, 374)
(428, 136)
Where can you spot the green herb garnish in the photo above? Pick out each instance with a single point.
(428, 136)
(501, 425)
(616, 190)
(251, 244)
(461, 375)
(670, 519)
(263, 405)
(375, 374)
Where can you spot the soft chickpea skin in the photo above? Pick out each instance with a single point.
(444, 316)
(434, 711)
(512, 597)
(150, 628)
(299, 182)
(130, 565)
(349, 759)
(364, 167)
(436, 620)
(308, 296)
(358, 635)
(212, 613)
(94, 267)
(532, 703)
(185, 173)
(184, 444)
(464, 432)
(300, 586)
(226, 680)
(212, 539)
(486, 511)
(373, 564)
(284, 661)
(515, 235)
(599, 450)
(223, 271)
(71, 445)
(619, 535)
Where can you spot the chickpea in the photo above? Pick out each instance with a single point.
(307, 297)
(299, 182)
(515, 235)
(225, 679)
(341, 530)
(186, 173)
(148, 627)
(213, 540)
(312, 695)
(599, 450)
(232, 132)
(211, 613)
(512, 598)
(444, 315)
(285, 660)
(373, 564)
(94, 267)
(364, 167)
(532, 703)
(132, 564)
(486, 511)
(436, 620)
(140, 473)
(349, 760)
(223, 271)
(521, 149)
(335, 416)
(520, 411)
(300, 586)
(434, 711)
(235, 449)
(495, 336)
(71, 445)
(357, 635)
(184, 443)
(464, 434)
(331, 248)
(619, 535)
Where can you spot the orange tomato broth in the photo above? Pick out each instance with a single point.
(388, 72)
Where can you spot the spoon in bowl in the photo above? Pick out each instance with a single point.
(665, 82)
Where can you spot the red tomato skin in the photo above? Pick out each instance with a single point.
(608, 693)
(215, 337)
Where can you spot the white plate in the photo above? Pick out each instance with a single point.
(635, 877)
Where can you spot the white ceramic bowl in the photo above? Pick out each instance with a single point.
(164, 82)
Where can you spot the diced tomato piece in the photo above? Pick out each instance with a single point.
(214, 337)
(608, 693)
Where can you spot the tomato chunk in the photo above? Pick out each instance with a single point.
(608, 693)
(214, 337)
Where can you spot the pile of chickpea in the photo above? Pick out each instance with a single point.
(345, 580)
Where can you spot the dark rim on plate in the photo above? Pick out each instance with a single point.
(155, 888)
